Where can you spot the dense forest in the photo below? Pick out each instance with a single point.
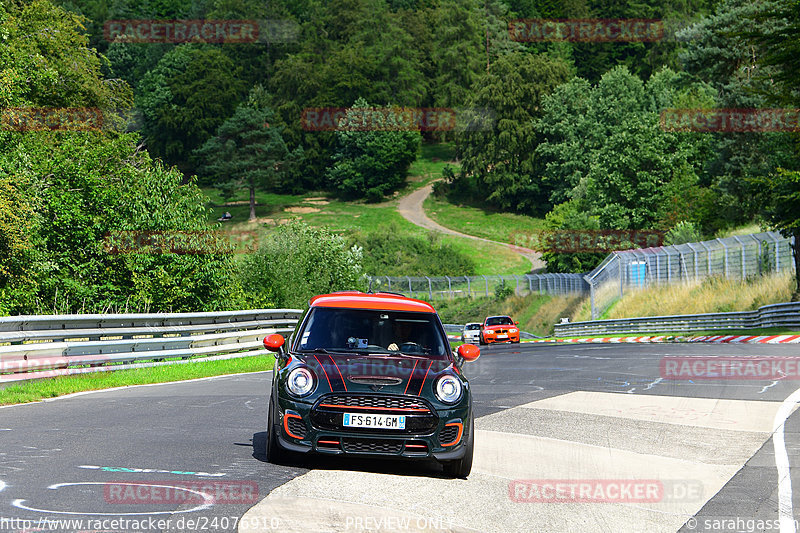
(575, 136)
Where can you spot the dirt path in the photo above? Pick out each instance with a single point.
(410, 207)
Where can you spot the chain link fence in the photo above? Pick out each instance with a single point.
(471, 286)
(737, 257)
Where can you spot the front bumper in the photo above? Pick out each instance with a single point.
(443, 439)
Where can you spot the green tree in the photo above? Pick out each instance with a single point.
(501, 161)
(296, 263)
(185, 98)
(780, 201)
(370, 164)
(247, 148)
(87, 193)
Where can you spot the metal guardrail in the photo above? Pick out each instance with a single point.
(775, 315)
(40, 346)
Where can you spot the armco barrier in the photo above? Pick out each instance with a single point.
(786, 315)
(49, 345)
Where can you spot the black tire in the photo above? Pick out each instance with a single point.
(460, 468)
(515, 342)
(480, 340)
(275, 454)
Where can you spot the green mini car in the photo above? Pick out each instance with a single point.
(371, 375)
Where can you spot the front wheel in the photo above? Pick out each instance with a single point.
(460, 468)
(275, 454)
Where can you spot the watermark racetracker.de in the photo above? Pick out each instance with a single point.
(397, 119)
(604, 490)
(585, 241)
(730, 120)
(200, 31)
(180, 492)
(180, 242)
(586, 30)
(25, 119)
(770, 368)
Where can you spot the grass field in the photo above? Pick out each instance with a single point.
(341, 217)
(492, 225)
(35, 390)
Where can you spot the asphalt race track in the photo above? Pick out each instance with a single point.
(147, 458)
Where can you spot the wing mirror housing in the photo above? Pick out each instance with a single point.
(468, 352)
(274, 343)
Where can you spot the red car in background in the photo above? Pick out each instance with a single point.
(499, 329)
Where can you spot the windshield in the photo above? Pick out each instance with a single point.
(472, 327)
(373, 332)
(499, 321)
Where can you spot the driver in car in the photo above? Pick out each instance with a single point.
(404, 333)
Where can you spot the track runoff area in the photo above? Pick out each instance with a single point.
(569, 438)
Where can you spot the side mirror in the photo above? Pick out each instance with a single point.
(274, 342)
(468, 352)
(516, 323)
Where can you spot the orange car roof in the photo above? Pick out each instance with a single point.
(380, 301)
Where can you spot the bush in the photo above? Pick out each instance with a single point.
(296, 263)
(390, 252)
(682, 233)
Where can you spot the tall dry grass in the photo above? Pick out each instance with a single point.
(712, 295)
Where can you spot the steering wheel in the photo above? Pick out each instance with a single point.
(412, 347)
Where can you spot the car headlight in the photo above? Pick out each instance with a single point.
(512, 330)
(301, 382)
(449, 389)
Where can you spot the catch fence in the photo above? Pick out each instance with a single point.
(737, 257)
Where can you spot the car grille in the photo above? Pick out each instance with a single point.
(376, 402)
(372, 445)
(420, 417)
(296, 426)
(448, 434)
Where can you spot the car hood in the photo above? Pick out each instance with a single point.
(358, 373)
(504, 326)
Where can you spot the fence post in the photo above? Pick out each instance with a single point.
(410, 290)
(469, 287)
(591, 296)
(777, 251)
(619, 261)
(669, 268)
(744, 270)
(389, 281)
(430, 289)
(725, 246)
(708, 256)
(695, 259)
(449, 286)
(487, 285)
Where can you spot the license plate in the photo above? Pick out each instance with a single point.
(359, 420)
(502, 336)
